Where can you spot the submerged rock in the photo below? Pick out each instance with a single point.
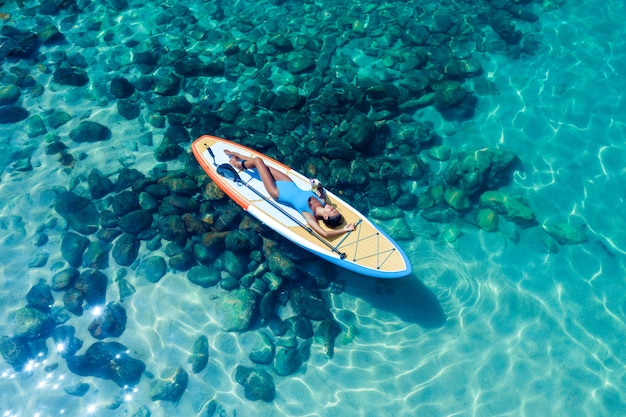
(173, 228)
(309, 304)
(263, 350)
(485, 169)
(110, 323)
(80, 213)
(124, 202)
(565, 233)
(287, 360)
(300, 326)
(16, 351)
(88, 131)
(174, 104)
(326, 334)
(99, 185)
(8, 94)
(108, 360)
(199, 357)
(281, 265)
(237, 310)
(73, 300)
(12, 114)
(97, 255)
(448, 94)
(135, 222)
(152, 268)
(64, 279)
(125, 250)
(92, 285)
(171, 385)
(121, 88)
(71, 76)
(234, 264)
(204, 276)
(40, 296)
(31, 323)
(257, 383)
(65, 342)
(77, 390)
(512, 209)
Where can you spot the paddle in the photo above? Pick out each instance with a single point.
(228, 171)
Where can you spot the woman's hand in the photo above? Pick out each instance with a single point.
(348, 227)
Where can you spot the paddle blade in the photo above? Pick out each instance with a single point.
(227, 171)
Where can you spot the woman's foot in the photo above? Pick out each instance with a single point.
(235, 159)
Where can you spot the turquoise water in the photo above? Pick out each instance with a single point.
(492, 324)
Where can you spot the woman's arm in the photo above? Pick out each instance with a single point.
(312, 222)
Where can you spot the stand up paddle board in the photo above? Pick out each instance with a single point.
(366, 250)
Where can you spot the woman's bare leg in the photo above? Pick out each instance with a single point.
(269, 176)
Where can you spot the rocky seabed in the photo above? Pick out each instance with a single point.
(336, 91)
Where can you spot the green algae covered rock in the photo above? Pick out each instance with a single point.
(512, 209)
(487, 219)
(451, 233)
(483, 169)
(565, 233)
(16, 351)
(31, 323)
(456, 199)
(237, 309)
(399, 229)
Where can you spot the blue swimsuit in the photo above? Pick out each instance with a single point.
(289, 193)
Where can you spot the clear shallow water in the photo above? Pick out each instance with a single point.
(525, 332)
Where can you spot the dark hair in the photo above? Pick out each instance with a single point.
(333, 221)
